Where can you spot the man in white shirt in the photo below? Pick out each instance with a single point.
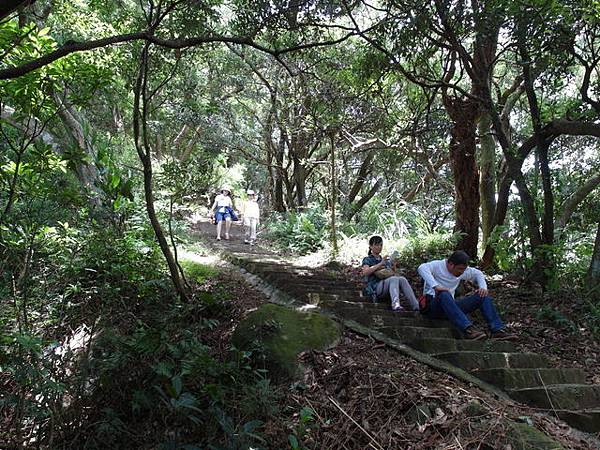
(441, 278)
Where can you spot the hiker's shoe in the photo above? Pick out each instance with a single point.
(397, 308)
(226, 237)
(218, 238)
(504, 335)
(473, 334)
(246, 241)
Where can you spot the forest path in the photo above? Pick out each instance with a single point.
(525, 376)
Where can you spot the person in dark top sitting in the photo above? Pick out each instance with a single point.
(377, 288)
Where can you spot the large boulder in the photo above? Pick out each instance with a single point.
(277, 334)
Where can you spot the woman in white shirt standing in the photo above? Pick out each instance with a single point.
(222, 209)
(251, 214)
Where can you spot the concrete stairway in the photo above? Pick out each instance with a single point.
(526, 377)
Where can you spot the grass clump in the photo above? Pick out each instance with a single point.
(200, 273)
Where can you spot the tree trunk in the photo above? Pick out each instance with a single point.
(86, 172)
(8, 6)
(278, 202)
(299, 153)
(300, 183)
(487, 180)
(357, 206)
(334, 245)
(543, 261)
(464, 114)
(573, 201)
(141, 138)
(594, 270)
(487, 260)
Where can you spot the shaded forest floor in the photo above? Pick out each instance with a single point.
(362, 395)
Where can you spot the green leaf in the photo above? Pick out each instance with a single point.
(114, 181)
(293, 441)
(177, 385)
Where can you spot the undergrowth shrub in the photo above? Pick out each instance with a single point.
(300, 232)
(200, 273)
(557, 318)
(411, 251)
(425, 247)
(592, 317)
(390, 222)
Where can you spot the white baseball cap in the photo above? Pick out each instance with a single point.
(250, 192)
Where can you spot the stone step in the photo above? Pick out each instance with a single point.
(509, 378)
(410, 334)
(388, 318)
(493, 360)
(310, 279)
(303, 289)
(382, 309)
(585, 419)
(560, 396)
(335, 301)
(262, 265)
(330, 287)
(441, 345)
(301, 274)
(273, 267)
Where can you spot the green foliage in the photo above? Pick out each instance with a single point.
(200, 273)
(391, 222)
(426, 247)
(34, 370)
(411, 250)
(547, 312)
(238, 437)
(300, 232)
(591, 316)
(305, 422)
(503, 247)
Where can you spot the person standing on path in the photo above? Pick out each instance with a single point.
(441, 278)
(377, 288)
(222, 210)
(251, 216)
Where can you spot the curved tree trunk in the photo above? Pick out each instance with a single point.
(573, 201)
(357, 206)
(140, 110)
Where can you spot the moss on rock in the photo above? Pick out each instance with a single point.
(282, 333)
(526, 437)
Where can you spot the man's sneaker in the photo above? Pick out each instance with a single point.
(473, 334)
(504, 335)
(246, 241)
(397, 308)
